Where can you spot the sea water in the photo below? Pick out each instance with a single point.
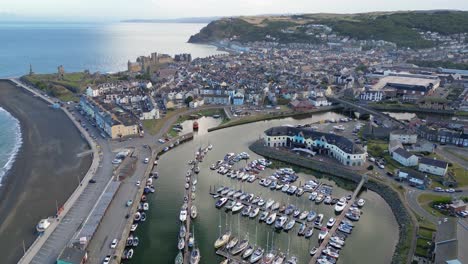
(104, 47)
(10, 141)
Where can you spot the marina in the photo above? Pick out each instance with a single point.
(159, 236)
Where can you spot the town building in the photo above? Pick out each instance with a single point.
(318, 101)
(404, 137)
(413, 177)
(404, 157)
(372, 95)
(116, 125)
(338, 147)
(222, 99)
(92, 91)
(433, 166)
(449, 242)
(444, 136)
(301, 105)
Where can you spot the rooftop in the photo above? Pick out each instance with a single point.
(434, 162)
(341, 142)
(402, 152)
(411, 81)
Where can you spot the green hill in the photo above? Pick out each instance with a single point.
(398, 27)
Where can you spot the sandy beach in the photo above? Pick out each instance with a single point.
(45, 173)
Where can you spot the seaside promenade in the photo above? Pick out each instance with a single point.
(57, 235)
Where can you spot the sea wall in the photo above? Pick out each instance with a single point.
(390, 196)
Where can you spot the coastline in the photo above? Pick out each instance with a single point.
(16, 147)
(38, 180)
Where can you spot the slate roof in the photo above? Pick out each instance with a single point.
(405, 154)
(434, 162)
(343, 143)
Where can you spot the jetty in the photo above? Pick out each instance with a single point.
(188, 193)
(236, 258)
(339, 219)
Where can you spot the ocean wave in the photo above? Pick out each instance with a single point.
(14, 151)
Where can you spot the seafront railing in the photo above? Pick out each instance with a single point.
(40, 240)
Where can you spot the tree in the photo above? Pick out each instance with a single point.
(188, 100)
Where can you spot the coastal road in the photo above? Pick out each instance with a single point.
(114, 220)
(73, 220)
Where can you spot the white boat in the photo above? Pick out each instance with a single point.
(232, 243)
(181, 244)
(361, 202)
(319, 220)
(248, 251)
(195, 256)
(183, 215)
(253, 213)
(323, 233)
(146, 206)
(271, 219)
(331, 222)
(340, 205)
(222, 240)
(269, 203)
(42, 225)
(238, 206)
(303, 215)
(221, 202)
(193, 212)
(256, 255)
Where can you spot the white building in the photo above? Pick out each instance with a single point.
(92, 92)
(338, 147)
(196, 103)
(433, 166)
(371, 96)
(151, 114)
(404, 137)
(404, 157)
(319, 101)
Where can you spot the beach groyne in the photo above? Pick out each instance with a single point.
(391, 197)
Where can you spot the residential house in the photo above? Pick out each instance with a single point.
(92, 91)
(433, 166)
(404, 157)
(405, 137)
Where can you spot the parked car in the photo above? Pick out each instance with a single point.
(438, 189)
(371, 159)
(146, 160)
(129, 203)
(138, 183)
(92, 181)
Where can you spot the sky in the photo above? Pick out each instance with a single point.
(164, 9)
